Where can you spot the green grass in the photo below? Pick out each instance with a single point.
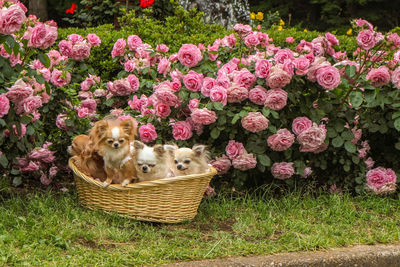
(43, 229)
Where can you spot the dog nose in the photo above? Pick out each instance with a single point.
(116, 145)
(179, 166)
(145, 168)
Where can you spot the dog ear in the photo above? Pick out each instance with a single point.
(199, 149)
(99, 128)
(127, 126)
(159, 150)
(170, 147)
(138, 145)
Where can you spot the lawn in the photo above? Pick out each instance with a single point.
(50, 228)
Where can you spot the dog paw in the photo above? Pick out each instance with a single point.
(105, 184)
(125, 183)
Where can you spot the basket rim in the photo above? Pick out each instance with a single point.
(139, 185)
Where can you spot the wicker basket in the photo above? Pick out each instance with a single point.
(168, 200)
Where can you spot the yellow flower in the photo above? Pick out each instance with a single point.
(252, 15)
(281, 22)
(280, 28)
(260, 16)
(305, 30)
(349, 32)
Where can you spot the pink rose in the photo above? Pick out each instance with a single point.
(262, 68)
(20, 133)
(44, 179)
(60, 79)
(208, 84)
(42, 154)
(4, 105)
(12, 19)
(31, 167)
(130, 65)
(301, 64)
(258, 95)
(189, 55)
(162, 110)
(244, 78)
(100, 93)
(251, 40)
(282, 170)
(369, 162)
(193, 104)
(74, 38)
(164, 66)
(319, 62)
(379, 77)
(306, 172)
(133, 82)
(29, 105)
(289, 40)
(118, 48)
(120, 87)
(93, 39)
(224, 81)
(278, 78)
(242, 30)
(41, 36)
(357, 135)
(276, 99)
(203, 116)
(193, 81)
(301, 124)
(134, 42)
(244, 162)
(65, 48)
(54, 56)
(147, 133)
(176, 85)
(228, 68)
(90, 104)
(60, 122)
(53, 171)
(182, 130)
(328, 77)
(234, 149)
(282, 55)
(19, 91)
(366, 39)
(80, 51)
(312, 139)
(221, 164)
(380, 177)
(237, 93)
(228, 41)
(281, 141)
(162, 48)
(83, 112)
(255, 122)
(219, 94)
(166, 95)
(331, 38)
(396, 77)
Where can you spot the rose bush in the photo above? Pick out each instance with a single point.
(267, 113)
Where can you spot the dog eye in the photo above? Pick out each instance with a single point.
(110, 141)
(151, 165)
(176, 162)
(187, 161)
(140, 164)
(121, 140)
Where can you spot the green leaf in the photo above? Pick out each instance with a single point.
(3, 161)
(30, 130)
(215, 133)
(350, 70)
(348, 135)
(243, 113)
(331, 132)
(397, 124)
(397, 145)
(350, 147)
(44, 59)
(17, 181)
(337, 141)
(356, 99)
(395, 115)
(109, 102)
(264, 160)
(218, 105)
(26, 119)
(275, 114)
(194, 95)
(355, 159)
(266, 111)
(235, 118)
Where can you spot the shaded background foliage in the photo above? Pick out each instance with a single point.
(323, 15)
